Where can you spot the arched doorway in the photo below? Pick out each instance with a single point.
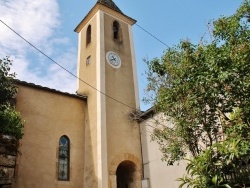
(125, 174)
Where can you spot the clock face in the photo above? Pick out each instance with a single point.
(113, 59)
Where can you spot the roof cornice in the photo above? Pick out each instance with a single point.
(147, 114)
(110, 4)
(106, 9)
(32, 85)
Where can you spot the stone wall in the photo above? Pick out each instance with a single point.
(7, 165)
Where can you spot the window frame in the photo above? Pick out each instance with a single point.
(88, 60)
(66, 159)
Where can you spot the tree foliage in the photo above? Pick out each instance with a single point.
(7, 87)
(11, 123)
(200, 87)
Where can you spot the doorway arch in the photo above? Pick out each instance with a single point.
(125, 174)
(122, 164)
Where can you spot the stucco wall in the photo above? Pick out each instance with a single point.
(107, 119)
(120, 86)
(157, 173)
(49, 115)
(87, 73)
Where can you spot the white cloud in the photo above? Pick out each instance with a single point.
(34, 20)
(38, 22)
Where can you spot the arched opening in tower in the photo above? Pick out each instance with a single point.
(125, 174)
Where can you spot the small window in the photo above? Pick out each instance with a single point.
(63, 159)
(88, 35)
(88, 60)
(117, 31)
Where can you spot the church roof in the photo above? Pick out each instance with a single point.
(104, 3)
(19, 82)
(147, 114)
(110, 4)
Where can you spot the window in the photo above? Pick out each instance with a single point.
(88, 35)
(63, 159)
(117, 31)
(88, 60)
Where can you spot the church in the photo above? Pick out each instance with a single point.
(87, 139)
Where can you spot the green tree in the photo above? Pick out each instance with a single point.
(204, 89)
(7, 87)
(11, 123)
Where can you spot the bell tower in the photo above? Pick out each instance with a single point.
(107, 72)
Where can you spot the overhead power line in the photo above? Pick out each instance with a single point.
(65, 68)
(152, 35)
(74, 74)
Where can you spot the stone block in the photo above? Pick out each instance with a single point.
(7, 160)
(6, 175)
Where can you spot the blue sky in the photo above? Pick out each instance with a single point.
(50, 24)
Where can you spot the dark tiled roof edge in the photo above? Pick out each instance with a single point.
(110, 4)
(147, 114)
(19, 82)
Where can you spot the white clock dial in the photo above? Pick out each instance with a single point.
(113, 59)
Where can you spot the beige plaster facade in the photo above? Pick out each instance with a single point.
(48, 115)
(111, 133)
(156, 172)
(107, 149)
